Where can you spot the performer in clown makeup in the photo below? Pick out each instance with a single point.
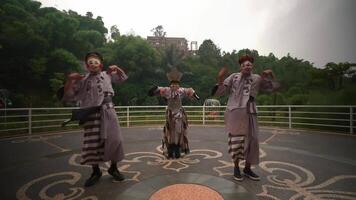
(175, 138)
(102, 136)
(241, 113)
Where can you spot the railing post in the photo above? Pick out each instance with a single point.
(128, 116)
(351, 121)
(203, 114)
(30, 121)
(290, 116)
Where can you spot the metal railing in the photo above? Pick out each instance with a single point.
(329, 117)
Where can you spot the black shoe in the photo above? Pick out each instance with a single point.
(170, 151)
(251, 175)
(114, 172)
(186, 151)
(237, 174)
(94, 178)
(177, 151)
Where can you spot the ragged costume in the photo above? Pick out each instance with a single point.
(241, 112)
(102, 134)
(102, 138)
(175, 140)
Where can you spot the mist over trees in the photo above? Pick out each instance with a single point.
(40, 46)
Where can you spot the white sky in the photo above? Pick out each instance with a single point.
(319, 31)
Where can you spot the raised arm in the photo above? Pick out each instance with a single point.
(268, 82)
(72, 86)
(158, 91)
(190, 92)
(223, 84)
(117, 74)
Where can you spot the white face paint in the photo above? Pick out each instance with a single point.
(246, 67)
(94, 64)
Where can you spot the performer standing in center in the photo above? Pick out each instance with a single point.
(175, 138)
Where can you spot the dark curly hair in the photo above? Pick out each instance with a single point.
(94, 54)
(246, 57)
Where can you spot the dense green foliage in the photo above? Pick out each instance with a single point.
(40, 46)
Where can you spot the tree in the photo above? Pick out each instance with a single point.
(336, 73)
(114, 32)
(89, 14)
(38, 45)
(209, 53)
(158, 31)
(172, 57)
(142, 63)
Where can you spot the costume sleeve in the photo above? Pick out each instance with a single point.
(268, 85)
(163, 91)
(74, 93)
(225, 87)
(118, 78)
(188, 92)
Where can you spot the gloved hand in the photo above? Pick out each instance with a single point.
(153, 91)
(60, 93)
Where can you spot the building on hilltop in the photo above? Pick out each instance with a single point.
(178, 42)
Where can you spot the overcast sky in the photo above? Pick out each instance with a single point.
(319, 31)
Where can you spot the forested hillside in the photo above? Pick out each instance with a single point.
(40, 46)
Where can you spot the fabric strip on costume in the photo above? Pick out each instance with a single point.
(93, 146)
(236, 146)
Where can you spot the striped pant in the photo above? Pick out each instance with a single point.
(93, 146)
(236, 147)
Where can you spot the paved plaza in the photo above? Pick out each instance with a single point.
(294, 165)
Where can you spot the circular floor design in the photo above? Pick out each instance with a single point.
(186, 191)
(149, 188)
